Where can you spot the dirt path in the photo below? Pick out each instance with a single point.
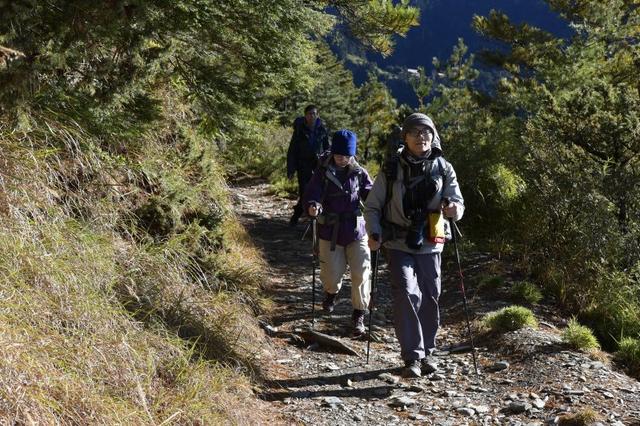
(527, 377)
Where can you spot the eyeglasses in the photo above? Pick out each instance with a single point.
(426, 132)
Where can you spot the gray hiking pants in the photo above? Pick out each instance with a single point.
(415, 285)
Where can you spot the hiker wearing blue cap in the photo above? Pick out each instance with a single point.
(333, 196)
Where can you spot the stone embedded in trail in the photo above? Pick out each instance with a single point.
(477, 389)
(417, 417)
(518, 407)
(436, 377)
(329, 366)
(596, 365)
(500, 365)
(268, 328)
(402, 401)
(480, 409)
(328, 341)
(466, 411)
(539, 403)
(332, 402)
(389, 378)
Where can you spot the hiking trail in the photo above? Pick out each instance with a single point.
(527, 377)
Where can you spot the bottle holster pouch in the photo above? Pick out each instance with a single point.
(436, 227)
(436, 230)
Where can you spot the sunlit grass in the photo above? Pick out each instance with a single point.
(103, 323)
(509, 319)
(579, 337)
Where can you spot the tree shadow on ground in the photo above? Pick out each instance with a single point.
(276, 390)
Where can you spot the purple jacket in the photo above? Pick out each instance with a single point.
(340, 195)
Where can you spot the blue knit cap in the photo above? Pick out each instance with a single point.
(343, 142)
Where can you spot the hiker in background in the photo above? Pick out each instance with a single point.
(404, 212)
(333, 196)
(308, 141)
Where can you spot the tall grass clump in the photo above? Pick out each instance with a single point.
(510, 318)
(490, 283)
(613, 308)
(526, 292)
(579, 337)
(629, 354)
(584, 417)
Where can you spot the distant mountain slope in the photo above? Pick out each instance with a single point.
(444, 21)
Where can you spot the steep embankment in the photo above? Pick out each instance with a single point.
(127, 288)
(526, 376)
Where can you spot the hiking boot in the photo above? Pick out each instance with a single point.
(358, 322)
(428, 365)
(411, 369)
(329, 302)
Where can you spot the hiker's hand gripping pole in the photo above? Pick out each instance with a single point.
(374, 279)
(454, 232)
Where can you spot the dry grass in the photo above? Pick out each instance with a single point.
(101, 325)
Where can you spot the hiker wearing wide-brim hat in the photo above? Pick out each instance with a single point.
(406, 212)
(333, 196)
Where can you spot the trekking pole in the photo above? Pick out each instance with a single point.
(374, 279)
(313, 265)
(454, 228)
(304, 234)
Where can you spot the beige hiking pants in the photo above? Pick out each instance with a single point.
(333, 265)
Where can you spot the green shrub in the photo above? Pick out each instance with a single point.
(629, 353)
(579, 337)
(490, 283)
(526, 292)
(510, 318)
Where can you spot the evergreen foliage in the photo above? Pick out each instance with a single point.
(549, 157)
(376, 114)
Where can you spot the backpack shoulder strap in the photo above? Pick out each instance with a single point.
(442, 166)
(390, 169)
(323, 164)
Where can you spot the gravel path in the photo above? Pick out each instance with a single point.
(526, 377)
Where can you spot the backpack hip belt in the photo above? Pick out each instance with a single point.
(334, 219)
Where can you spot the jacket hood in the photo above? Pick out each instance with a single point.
(419, 119)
